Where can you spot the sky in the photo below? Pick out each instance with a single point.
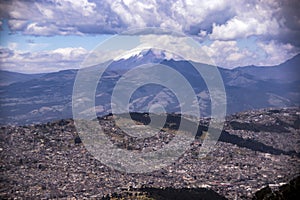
(51, 35)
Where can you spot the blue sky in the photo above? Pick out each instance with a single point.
(45, 36)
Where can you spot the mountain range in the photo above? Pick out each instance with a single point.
(36, 98)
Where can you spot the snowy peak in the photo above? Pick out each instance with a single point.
(149, 55)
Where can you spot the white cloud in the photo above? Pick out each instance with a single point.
(71, 53)
(219, 19)
(276, 53)
(17, 24)
(12, 45)
(36, 29)
(228, 54)
(48, 30)
(6, 53)
(54, 17)
(256, 19)
(237, 28)
(235, 56)
(177, 15)
(44, 61)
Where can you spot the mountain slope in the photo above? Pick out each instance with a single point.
(7, 78)
(47, 97)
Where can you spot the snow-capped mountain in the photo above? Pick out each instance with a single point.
(48, 97)
(149, 54)
(140, 57)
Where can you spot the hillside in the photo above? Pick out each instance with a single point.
(256, 149)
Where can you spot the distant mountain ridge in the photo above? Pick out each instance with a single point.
(288, 71)
(48, 97)
(7, 77)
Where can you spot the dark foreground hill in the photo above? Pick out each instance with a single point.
(257, 149)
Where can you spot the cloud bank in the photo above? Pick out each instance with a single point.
(217, 19)
(42, 61)
(275, 24)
